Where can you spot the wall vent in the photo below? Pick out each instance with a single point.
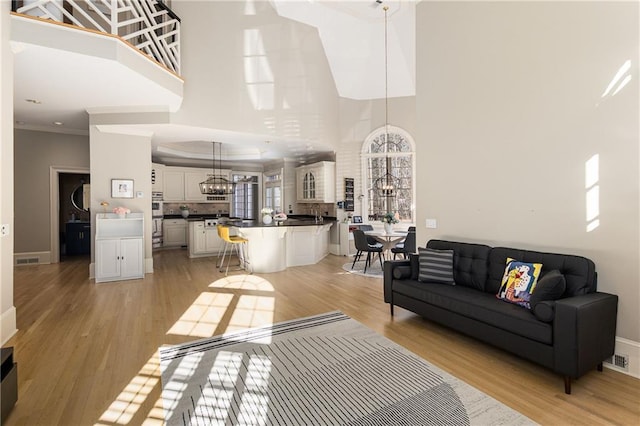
(27, 261)
(619, 361)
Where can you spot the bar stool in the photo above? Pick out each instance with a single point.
(235, 242)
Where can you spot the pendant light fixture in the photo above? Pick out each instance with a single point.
(217, 184)
(386, 185)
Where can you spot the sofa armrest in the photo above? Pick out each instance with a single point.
(389, 266)
(584, 331)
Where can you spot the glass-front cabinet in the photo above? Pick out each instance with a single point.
(316, 183)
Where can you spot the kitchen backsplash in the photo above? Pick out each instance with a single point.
(197, 208)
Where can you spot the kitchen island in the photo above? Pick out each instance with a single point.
(277, 246)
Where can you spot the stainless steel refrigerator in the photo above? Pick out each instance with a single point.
(245, 200)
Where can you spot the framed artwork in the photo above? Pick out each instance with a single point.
(121, 188)
(357, 219)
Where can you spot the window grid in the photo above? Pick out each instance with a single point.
(400, 152)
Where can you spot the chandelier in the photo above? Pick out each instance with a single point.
(217, 184)
(386, 185)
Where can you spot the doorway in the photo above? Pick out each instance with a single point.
(61, 187)
(74, 221)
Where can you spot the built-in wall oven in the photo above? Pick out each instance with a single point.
(157, 215)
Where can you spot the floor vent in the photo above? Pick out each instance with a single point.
(619, 361)
(27, 261)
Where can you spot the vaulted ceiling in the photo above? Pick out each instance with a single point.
(58, 77)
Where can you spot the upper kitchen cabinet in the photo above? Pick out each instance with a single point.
(173, 184)
(183, 184)
(157, 181)
(316, 183)
(192, 185)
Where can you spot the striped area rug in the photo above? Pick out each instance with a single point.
(322, 370)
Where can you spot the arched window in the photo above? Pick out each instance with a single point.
(397, 157)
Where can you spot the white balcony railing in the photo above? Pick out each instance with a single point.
(149, 25)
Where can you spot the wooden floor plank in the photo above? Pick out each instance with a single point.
(87, 353)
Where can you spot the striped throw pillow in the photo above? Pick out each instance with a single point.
(436, 266)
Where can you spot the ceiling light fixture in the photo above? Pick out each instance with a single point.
(58, 123)
(387, 184)
(217, 184)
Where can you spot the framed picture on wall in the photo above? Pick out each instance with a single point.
(121, 188)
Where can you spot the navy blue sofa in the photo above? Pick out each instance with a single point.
(577, 335)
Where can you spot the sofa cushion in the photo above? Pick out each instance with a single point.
(435, 266)
(478, 305)
(518, 282)
(402, 272)
(551, 286)
(469, 262)
(579, 272)
(545, 310)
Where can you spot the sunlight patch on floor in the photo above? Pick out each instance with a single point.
(252, 311)
(202, 318)
(126, 405)
(243, 282)
(236, 301)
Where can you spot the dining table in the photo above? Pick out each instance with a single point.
(388, 240)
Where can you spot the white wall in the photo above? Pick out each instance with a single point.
(226, 48)
(509, 111)
(7, 310)
(121, 156)
(35, 153)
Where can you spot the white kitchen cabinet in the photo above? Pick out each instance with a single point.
(316, 183)
(183, 184)
(119, 247)
(174, 232)
(192, 185)
(173, 184)
(203, 241)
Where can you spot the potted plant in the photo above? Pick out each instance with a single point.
(266, 215)
(184, 210)
(121, 212)
(389, 219)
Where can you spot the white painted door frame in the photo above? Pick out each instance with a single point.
(54, 205)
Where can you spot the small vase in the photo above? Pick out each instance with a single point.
(388, 228)
(184, 213)
(121, 215)
(266, 219)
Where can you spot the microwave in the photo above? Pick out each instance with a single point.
(156, 209)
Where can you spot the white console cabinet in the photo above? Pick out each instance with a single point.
(119, 247)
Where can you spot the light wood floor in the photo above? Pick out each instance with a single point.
(87, 353)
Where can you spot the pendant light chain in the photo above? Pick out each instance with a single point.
(386, 81)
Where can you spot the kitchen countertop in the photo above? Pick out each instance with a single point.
(293, 220)
(192, 217)
(274, 224)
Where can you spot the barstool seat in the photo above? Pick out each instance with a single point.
(236, 243)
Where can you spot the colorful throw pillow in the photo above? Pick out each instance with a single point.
(435, 266)
(518, 282)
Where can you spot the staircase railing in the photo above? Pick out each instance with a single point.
(149, 25)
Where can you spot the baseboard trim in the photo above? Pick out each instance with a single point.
(148, 265)
(8, 328)
(631, 349)
(32, 258)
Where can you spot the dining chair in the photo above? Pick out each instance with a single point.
(407, 246)
(362, 245)
(370, 239)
